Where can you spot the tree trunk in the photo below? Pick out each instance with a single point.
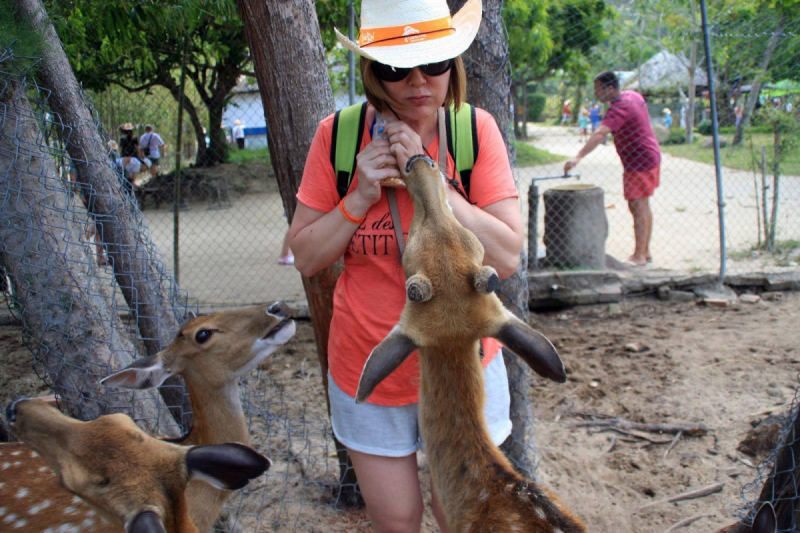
(755, 87)
(489, 82)
(64, 306)
(295, 100)
(147, 289)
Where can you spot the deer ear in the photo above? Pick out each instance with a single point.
(225, 466)
(765, 520)
(144, 373)
(383, 360)
(533, 347)
(145, 522)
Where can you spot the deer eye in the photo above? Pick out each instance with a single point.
(202, 336)
(104, 482)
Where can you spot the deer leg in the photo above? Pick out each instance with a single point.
(486, 280)
(419, 288)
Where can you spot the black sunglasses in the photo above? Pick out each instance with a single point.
(388, 73)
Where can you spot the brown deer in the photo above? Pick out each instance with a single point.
(211, 353)
(451, 305)
(130, 478)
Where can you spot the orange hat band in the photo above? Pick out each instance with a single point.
(406, 34)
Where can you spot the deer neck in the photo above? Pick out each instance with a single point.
(217, 414)
(452, 397)
(429, 197)
(182, 522)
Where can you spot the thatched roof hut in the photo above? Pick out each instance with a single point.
(664, 72)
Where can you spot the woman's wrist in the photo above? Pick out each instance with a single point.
(356, 205)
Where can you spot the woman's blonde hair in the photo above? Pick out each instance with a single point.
(377, 96)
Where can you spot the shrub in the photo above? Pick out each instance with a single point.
(676, 136)
(536, 103)
(705, 128)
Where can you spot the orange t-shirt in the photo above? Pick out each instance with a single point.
(370, 294)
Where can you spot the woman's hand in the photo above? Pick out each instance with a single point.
(375, 162)
(404, 143)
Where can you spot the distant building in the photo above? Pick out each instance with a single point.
(245, 105)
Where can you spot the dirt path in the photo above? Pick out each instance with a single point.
(686, 227)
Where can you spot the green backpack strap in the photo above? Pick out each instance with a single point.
(462, 141)
(348, 128)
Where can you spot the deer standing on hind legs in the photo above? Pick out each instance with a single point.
(133, 480)
(451, 305)
(211, 353)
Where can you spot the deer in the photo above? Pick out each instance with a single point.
(451, 304)
(211, 353)
(128, 478)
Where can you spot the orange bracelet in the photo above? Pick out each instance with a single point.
(350, 217)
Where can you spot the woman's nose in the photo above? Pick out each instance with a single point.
(416, 77)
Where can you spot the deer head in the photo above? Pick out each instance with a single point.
(450, 294)
(213, 350)
(130, 478)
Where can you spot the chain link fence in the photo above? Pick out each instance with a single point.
(211, 206)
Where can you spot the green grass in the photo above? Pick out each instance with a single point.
(528, 156)
(737, 157)
(784, 253)
(259, 155)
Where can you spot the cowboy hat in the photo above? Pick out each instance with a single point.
(126, 127)
(412, 33)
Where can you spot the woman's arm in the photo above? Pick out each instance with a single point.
(318, 239)
(499, 228)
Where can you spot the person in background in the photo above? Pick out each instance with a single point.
(629, 120)
(738, 113)
(152, 144)
(594, 115)
(406, 83)
(565, 112)
(583, 123)
(667, 117)
(238, 133)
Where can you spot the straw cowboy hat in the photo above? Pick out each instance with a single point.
(126, 127)
(409, 33)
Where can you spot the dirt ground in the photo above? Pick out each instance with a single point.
(646, 361)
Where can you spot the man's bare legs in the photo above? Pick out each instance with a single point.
(642, 229)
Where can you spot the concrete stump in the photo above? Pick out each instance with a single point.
(575, 227)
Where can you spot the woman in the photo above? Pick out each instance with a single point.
(410, 69)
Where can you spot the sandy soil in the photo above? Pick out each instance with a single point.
(648, 361)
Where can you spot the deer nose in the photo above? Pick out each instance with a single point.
(279, 309)
(11, 408)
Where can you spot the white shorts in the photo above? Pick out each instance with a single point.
(394, 431)
(133, 166)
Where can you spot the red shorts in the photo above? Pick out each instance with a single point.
(640, 184)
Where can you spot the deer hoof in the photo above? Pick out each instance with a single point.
(419, 288)
(487, 281)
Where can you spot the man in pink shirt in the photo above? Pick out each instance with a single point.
(637, 146)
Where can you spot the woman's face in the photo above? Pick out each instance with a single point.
(419, 95)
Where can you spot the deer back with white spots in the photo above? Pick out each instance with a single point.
(451, 305)
(211, 353)
(129, 478)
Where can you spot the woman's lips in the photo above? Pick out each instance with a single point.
(418, 100)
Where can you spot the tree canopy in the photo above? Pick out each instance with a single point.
(138, 45)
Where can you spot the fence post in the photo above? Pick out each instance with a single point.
(176, 205)
(715, 130)
(351, 57)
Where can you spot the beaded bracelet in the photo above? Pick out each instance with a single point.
(350, 217)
